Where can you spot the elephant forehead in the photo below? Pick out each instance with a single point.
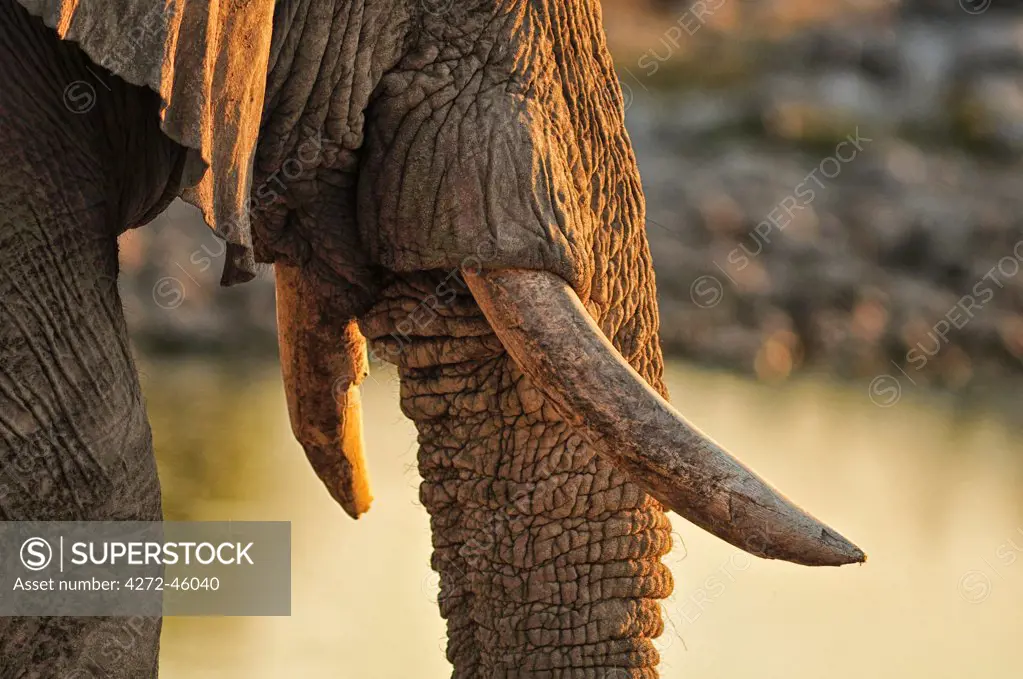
(504, 125)
(433, 134)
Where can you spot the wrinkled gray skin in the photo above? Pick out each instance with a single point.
(75, 443)
(483, 134)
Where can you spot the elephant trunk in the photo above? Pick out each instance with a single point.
(548, 556)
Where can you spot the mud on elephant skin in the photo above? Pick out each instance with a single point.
(454, 182)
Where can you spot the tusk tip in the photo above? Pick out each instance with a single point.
(354, 503)
(837, 551)
(347, 484)
(353, 510)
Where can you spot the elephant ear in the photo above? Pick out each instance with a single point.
(207, 59)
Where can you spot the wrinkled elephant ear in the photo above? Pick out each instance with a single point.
(207, 59)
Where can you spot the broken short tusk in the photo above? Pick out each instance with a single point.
(323, 361)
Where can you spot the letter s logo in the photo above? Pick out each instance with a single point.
(36, 554)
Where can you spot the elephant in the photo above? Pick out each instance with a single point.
(446, 186)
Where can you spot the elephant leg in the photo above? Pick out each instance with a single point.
(549, 558)
(75, 443)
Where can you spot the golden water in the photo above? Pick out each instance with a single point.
(933, 495)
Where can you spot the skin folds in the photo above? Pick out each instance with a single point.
(400, 145)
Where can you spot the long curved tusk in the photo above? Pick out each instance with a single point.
(323, 361)
(547, 331)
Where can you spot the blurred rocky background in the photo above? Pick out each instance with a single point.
(833, 185)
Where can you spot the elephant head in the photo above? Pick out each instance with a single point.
(453, 181)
